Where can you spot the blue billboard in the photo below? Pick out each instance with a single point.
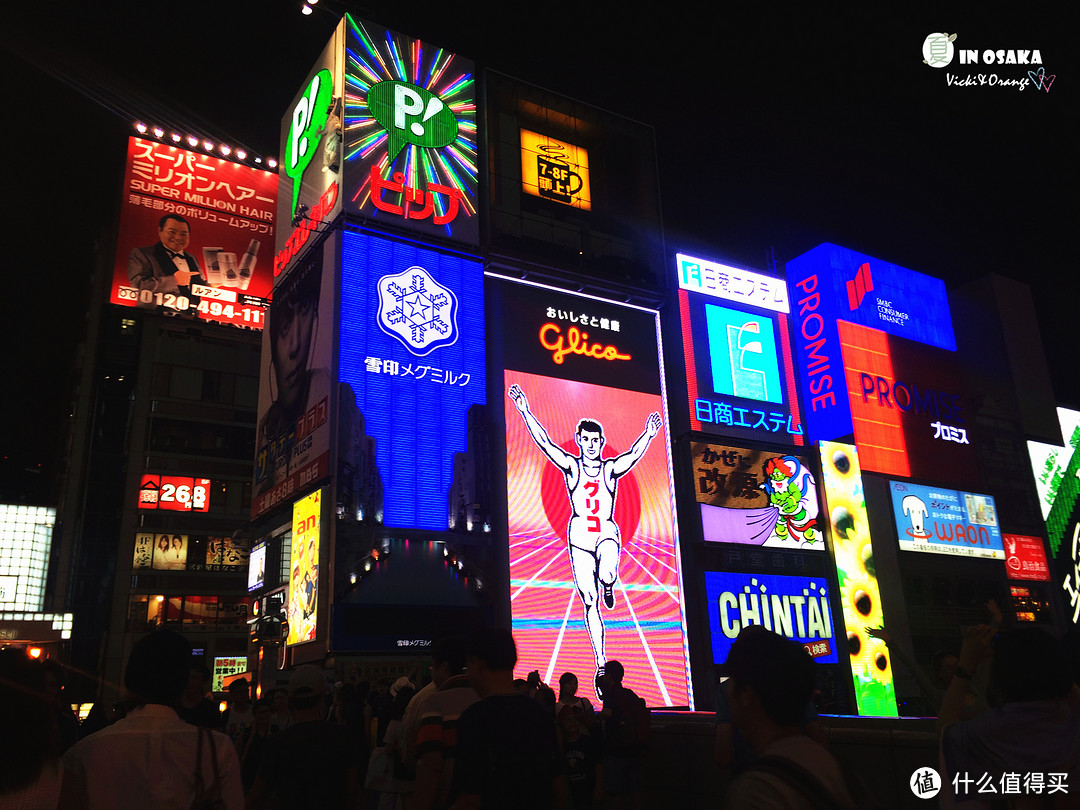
(795, 607)
(944, 521)
(831, 283)
(412, 351)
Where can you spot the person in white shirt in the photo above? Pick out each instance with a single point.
(152, 758)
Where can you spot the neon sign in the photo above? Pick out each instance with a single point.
(794, 607)
(555, 170)
(832, 283)
(410, 130)
(174, 493)
(577, 342)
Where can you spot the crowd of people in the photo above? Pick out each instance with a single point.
(472, 736)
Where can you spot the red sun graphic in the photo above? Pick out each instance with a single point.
(556, 500)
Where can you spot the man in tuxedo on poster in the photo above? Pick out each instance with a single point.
(592, 534)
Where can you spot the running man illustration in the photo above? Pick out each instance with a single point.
(592, 534)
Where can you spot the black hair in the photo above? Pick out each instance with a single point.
(615, 671)
(450, 651)
(495, 647)
(167, 217)
(300, 289)
(157, 669)
(590, 425)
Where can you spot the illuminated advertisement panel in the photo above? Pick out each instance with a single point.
(257, 568)
(739, 373)
(196, 233)
(309, 179)
(224, 666)
(161, 551)
(756, 497)
(909, 416)
(292, 441)
(555, 170)
(868, 657)
(412, 351)
(1057, 476)
(1025, 557)
(303, 603)
(943, 521)
(594, 561)
(174, 493)
(741, 287)
(25, 543)
(831, 283)
(410, 126)
(795, 607)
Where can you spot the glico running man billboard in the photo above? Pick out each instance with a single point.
(410, 134)
(739, 371)
(831, 283)
(196, 234)
(594, 560)
(412, 352)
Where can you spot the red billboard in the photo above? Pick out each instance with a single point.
(907, 407)
(196, 235)
(174, 493)
(1025, 558)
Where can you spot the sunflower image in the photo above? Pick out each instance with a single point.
(861, 600)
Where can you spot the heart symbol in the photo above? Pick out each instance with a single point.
(1041, 80)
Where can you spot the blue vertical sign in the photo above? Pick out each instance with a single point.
(831, 283)
(412, 351)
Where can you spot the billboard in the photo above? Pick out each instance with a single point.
(944, 521)
(292, 440)
(739, 372)
(794, 607)
(224, 666)
(1057, 476)
(411, 138)
(756, 497)
(594, 560)
(196, 231)
(174, 493)
(853, 552)
(1025, 558)
(168, 551)
(25, 544)
(257, 567)
(413, 354)
(555, 170)
(831, 283)
(309, 180)
(909, 416)
(302, 610)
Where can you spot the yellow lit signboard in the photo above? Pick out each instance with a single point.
(304, 571)
(555, 170)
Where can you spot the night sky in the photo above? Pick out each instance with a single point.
(775, 132)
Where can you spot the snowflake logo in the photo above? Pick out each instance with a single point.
(417, 310)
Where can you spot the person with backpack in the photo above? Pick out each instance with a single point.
(626, 737)
(771, 680)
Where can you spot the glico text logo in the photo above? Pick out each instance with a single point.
(575, 342)
(308, 120)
